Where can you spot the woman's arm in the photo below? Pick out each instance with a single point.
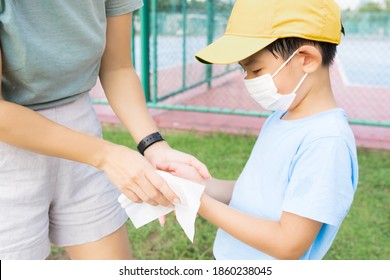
(288, 238)
(120, 81)
(131, 173)
(29, 130)
(125, 95)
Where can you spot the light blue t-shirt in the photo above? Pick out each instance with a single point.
(307, 167)
(52, 48)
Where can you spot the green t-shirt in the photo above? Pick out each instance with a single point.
(52, 48)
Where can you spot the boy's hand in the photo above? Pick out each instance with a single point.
(183, 171)
(165, 158)
(180, 164)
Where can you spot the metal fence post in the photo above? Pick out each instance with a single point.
(154, 33)
(145, 60)
(184, 25)
(210, 37)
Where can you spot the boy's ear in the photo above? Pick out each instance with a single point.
(311, 58)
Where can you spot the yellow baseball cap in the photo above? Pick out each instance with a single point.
(254, 24)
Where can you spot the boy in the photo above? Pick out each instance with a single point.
(300, 179)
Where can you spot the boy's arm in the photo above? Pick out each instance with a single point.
(220, 190)
(288, 238)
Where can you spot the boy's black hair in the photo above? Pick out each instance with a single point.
(285, 47)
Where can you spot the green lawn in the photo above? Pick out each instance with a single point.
(365, 233)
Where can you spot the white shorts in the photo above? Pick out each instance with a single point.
(47, 200)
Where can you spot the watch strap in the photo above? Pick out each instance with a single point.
(148, 141)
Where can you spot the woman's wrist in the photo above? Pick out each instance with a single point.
(102, 150)
(156, 146)
(149, 141)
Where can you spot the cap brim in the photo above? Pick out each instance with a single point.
(230, 49)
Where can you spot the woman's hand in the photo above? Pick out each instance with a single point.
(135, 176)
(163, 157)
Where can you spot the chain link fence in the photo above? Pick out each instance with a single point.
(173, 80)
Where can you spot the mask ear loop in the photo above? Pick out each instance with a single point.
(285, 63)
(300, 83)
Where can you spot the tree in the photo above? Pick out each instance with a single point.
(371, 7)
(169, 5)
(387, 5)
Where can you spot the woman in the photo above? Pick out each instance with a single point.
(57, 174)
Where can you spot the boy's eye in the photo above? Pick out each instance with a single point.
(256, 71)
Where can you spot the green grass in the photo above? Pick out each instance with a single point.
(365, 233)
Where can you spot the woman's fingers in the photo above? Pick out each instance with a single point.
(134, 175)
(164, 196)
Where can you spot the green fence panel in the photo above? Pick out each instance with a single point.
(167, 34)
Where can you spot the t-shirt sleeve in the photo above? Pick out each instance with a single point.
(120, 7)
(323, 181)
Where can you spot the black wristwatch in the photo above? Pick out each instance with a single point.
(148, 141)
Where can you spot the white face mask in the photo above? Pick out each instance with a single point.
(263, 90)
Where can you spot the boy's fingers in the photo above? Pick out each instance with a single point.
(162, 220)
(201, 167)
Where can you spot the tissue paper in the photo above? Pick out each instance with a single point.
(189, 193)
